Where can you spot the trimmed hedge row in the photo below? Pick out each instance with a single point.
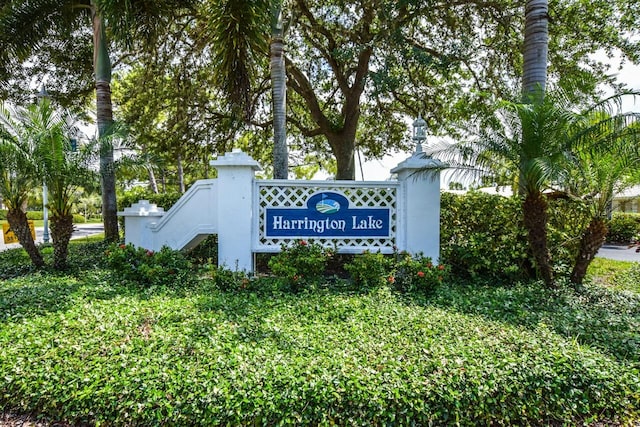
(482, 235)
(624, 227)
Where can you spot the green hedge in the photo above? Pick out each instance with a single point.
(624, 227)
(482, 235)
(163, 200)
(35, 215)
(3, 214)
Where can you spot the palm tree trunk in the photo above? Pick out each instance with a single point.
(20, 226)
(180, 174)
(152, 179)
(279, 97)
(534, 210)
(592, 239)
(61, 231)
(536, 44)
(104, 115)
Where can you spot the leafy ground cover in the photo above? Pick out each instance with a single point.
(84, 348)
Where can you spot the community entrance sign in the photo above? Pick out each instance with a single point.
(327, 214)
(252, 215)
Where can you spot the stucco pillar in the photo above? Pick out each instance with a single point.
(235, 211)
(419, 207)
(137, 220)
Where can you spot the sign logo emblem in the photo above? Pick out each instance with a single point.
(327, 206)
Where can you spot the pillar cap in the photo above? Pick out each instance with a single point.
(418, 161)
(236, 158)
(142, 208)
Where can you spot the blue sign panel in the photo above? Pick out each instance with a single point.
(327, 215)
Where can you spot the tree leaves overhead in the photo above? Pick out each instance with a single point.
(239, 33)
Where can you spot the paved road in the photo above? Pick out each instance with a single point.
(81, 230)
(619, 253)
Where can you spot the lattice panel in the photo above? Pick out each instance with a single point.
(293, 195)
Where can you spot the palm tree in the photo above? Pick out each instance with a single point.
(64, 167)
(540, 144)
(599, 174)
(41, 143)
(240, 30)
(17, 179)
(25, 26)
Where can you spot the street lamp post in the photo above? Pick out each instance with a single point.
(419, 133)
(43, 94)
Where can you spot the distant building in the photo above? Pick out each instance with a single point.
(627, 200)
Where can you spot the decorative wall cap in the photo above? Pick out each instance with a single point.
(142, 208)
(418, 161)
(235, 158)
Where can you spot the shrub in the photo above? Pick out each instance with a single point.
(481, 235)
(368, 270)
(624, 227)
(3, 214)
(417, 273)
(163, 200)
(301, 264)
(206, 252)
(35, 215)
(228, 280)
(144, 266)
(78, 219)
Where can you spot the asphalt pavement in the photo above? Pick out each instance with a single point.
(80, 231)
(619, 253)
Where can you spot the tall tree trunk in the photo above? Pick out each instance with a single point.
(61, 231)
(534, 211)
(344, 147)
(20, 226)
(536, 45)
(592, 239)
(152, 179)
(279, 97)
(180, 174)
(104, 114)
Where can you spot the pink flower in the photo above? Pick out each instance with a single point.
(391, 279)
(123, 246)
(441, 267)
(149, 252)
(303, 243)
(420, 273)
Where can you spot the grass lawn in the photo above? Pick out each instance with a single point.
(83, 348)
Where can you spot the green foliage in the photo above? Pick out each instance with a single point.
(624, 227)
(230, 281)
(628, 279)
(163, 200)
(417, 273)
(35, 215)
(146, 267)
(3, 214)
(206, 252)
(78, 219)
(89, 350)
(369, 270)
(481, 236)
(301, 265)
